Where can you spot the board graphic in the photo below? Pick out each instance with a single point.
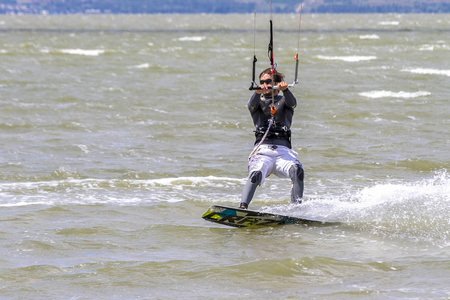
(238, 217)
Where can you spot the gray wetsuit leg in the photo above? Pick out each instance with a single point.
(250, 187)
(297, 176)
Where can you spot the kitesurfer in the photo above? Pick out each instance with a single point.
(274, 155)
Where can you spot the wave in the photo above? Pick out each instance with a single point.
(85, 52)
(353, 58)
(95, 52)
(114, 191)
(154, 67)
(389, 94)
(389, 23)
(191, 38)
(432, 47)
(143, 66)
(426, 71)
(369, 37)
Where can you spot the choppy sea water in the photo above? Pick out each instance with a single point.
(119, 131)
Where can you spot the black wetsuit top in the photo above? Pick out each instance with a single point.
(279, 133)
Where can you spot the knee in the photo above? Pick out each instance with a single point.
(256, 177)
(296, 172)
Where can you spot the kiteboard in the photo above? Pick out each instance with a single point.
(238, 217)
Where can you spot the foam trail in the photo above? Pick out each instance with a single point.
(416, 211)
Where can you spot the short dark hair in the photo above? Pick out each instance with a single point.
(277, 76)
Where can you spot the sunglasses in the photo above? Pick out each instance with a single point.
(267, 81)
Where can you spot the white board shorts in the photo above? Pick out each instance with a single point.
(273, 159)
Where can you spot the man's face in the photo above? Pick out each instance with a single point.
(266, 83)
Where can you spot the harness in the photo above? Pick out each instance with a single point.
(275, 133)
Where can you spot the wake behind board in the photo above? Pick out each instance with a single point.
(238, 217)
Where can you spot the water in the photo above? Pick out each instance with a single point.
(119, 131)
